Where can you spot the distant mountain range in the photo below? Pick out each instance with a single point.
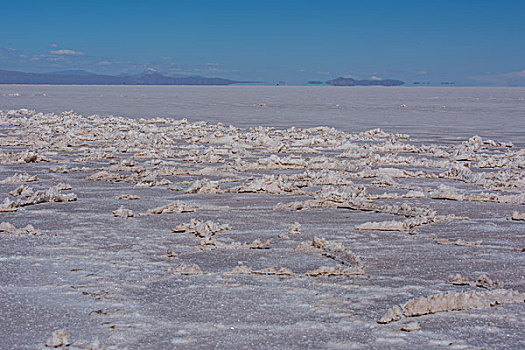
(150, 77)
(80, 77)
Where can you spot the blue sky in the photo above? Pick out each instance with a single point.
(469, 42)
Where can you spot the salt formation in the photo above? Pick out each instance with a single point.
(294, 228)
(459, 280)
(459, 241)
(19, 178)
(187, 269)
(28, 196)
(123, 213)
(482, 282)
(334, 271)
(200, 228)
(451, 302)
(204, 186)
(26, 156)
(411, 327)
(518, 216)
(23, 191)
(59, 338)
(242, 269)
(212, 244)
(138, 151)
(318, 163)
(104, 176)
(173, 207)
(281, 184)
(10, 229)
(336, 251)
(128, 197)
(385, 226)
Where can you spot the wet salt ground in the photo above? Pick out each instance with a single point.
(106, 277)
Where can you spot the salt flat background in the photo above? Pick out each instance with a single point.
(431, 113)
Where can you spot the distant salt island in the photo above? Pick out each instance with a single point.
(353, 82)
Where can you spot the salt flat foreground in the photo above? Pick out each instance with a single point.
(163, 233)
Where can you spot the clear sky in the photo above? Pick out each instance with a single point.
(469, 42)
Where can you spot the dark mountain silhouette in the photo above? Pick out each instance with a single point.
(72, 72)
(352, 82)
(75, 77)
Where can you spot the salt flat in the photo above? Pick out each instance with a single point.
(211, 232)
(441, 112)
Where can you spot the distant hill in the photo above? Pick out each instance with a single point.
(72, 72)
(77, 77)
(352, 82)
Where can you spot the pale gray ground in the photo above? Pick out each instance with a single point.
(106, 277)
